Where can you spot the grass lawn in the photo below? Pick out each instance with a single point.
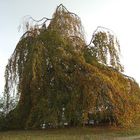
(98, 133)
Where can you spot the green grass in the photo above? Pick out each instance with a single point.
(98, 133)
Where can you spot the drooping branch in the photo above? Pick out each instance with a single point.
(106, 47)
(99, 28)
(61, 6)
(66, 23)
(62, 20)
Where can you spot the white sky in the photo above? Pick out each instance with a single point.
(121, 16)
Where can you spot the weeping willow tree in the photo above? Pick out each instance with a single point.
(56, 77)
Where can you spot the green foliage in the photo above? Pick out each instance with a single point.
(89, 54)
(53, 69)
(107, 48)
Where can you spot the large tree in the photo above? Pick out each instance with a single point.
(57, 77)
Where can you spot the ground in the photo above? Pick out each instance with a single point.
(98, 133)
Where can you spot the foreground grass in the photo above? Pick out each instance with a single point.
(98, 133)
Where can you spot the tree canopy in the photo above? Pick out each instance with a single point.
(55, 77)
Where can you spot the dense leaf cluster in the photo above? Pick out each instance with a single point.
(58, 79)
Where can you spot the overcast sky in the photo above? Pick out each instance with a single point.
(121, 16)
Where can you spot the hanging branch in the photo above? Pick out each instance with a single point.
(63, 7)
(93, 35)
(107, 48)
(31, 30)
